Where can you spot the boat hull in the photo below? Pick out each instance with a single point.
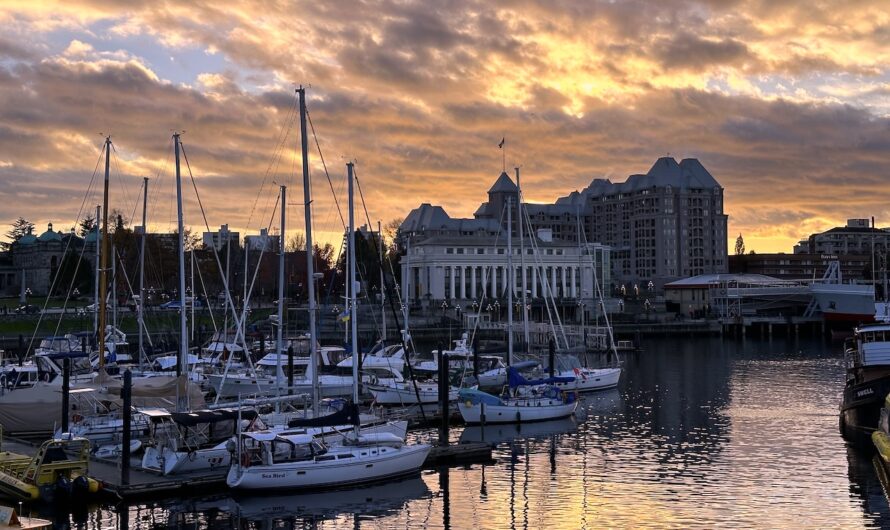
(317, 474)
(591, 379)
(389, 395)
(169, 462)
(523, 411)
(861, 410)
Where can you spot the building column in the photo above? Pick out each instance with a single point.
(494, 281)
(562, 273)
(574, 286)
(473, 282)
(504, 281)
(482, 282)
(534, 282)
(553, 281)
(453, 274)
(463, 283)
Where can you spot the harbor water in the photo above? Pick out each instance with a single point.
(701, 433)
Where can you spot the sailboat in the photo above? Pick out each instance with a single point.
(541, 402)
(269, 460)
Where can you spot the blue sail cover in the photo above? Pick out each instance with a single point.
(476, 397)
(515, 379)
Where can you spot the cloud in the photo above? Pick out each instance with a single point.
(785, 103)
(695, 53)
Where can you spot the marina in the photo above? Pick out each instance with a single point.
(694, 418)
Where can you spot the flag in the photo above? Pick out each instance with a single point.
(344, 316)
(501, 145)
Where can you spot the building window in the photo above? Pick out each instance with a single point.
(460, 251)
(449, 250)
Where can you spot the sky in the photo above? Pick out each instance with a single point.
(786, 103)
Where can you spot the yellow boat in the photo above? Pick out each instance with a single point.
(58, 470)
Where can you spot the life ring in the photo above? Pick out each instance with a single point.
(46, 377)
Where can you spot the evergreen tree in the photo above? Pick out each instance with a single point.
(86, 226)
(20, 227)
(739, 246)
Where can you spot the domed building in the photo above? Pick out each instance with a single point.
(38, 258)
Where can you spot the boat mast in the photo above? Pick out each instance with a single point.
(522, 265)
(182, 365)
(510, 281)
(141, 306)
(113, 287)
(382, 286)
(279, 343)
(103, 268)
(310, 257)
(353, 298)
(96, 282)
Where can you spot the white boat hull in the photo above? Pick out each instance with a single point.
(591, 379)
(381, 463)
(169, 462)
(239, 386)
(405, 394)
(517, 411)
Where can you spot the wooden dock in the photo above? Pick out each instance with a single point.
(144, 484)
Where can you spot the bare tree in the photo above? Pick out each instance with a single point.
(297, 241)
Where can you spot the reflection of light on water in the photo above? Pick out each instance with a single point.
(701, 433)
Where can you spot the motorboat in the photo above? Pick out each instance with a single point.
(585, 379)
(867, 361)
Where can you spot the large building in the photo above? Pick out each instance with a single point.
(857, 237)
(658, 227)
(854, 267)
(36, 260)
(661, 226)
(263, 241)
(219, 239)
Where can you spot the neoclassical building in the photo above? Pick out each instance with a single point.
(466, 260)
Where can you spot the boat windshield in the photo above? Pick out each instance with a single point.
(875, 336)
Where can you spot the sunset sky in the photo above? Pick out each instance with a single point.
(786, 103)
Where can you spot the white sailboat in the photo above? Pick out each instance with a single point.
(540, 403)
(269, 460)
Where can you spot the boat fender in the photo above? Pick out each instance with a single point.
(81, 485)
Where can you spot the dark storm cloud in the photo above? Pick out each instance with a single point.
(694, 53)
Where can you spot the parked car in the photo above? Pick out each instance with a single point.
(175, 304)
(27, 309)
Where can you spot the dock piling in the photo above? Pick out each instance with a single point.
(66, 392)
(290, 369)
(126, 395)
(443, 395)
(551, 356)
